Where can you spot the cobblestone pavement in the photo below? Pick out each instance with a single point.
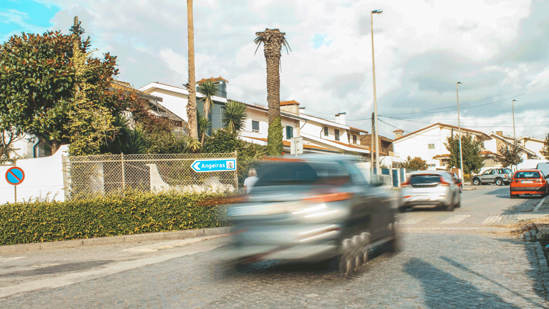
(461, 262)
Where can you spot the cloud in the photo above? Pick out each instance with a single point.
(422, 48)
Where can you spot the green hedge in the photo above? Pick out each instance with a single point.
(108, 216)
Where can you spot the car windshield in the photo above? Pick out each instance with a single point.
(301, 173)
(520, 175)
(421, 179)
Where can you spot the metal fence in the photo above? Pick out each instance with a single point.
(85, 176)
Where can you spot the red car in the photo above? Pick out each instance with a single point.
(529, 182)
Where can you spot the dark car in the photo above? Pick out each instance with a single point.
(316, 208)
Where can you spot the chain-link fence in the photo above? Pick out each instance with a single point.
(115, 174)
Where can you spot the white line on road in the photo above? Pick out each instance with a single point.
(412, 220)
(455, 219)
(539, 204)
(492, 219)
(4, 260)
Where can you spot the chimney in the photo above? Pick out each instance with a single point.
(398, 133)
(500, 133)
(291, 107)
(340, 118)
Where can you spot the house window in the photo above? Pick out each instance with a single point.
(431, 165)
(354, 139)
(255, 126)
(325, 131)
(336, 133)
(431, 146)
(289, 132)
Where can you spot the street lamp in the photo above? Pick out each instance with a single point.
(375, 98)
(513, 107)
(459, 128)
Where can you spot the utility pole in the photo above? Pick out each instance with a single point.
(459, 127)
(514, 132)
(378, 172)
(372, 148)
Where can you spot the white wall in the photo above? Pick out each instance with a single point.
(175, 102)
(43, 177)
(535, 146)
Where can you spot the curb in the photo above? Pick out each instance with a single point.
(101, 241)
(543, 268)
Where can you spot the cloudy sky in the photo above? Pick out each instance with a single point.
(499, 49)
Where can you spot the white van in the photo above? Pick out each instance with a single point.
(544, 167)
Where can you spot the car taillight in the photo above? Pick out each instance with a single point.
(444, 183)
(330, 197)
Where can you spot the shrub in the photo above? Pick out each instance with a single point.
(108, 216)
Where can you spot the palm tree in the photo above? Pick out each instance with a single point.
(208, 89)
(273, 40)
(191, 105)
(234, 115)
(203, 125)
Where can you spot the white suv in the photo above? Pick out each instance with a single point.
(499, 176)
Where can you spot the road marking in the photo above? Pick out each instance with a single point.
(539, 204)
(455, 219)
(4, 260)
(492, 220)
(412, 220)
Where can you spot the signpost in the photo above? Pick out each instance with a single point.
(296, 145)
(15, 176)
(214, 165)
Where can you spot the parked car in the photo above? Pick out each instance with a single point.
(429, 189)
(315, 208)
(499, 176)
(458, 181)
(543, 167)
(529, 182)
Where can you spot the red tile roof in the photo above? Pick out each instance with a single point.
(443, 125)
(291, 102)
(211, 79)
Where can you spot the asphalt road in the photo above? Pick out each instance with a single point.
(460, 259)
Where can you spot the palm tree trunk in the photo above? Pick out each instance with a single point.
(191, 86)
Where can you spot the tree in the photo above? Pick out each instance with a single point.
(8, 136)
(39, 80)
(416, 163)
(273, 40)
(203, 125)
(510, 155)
(191, 105)
(208, 89)
(545, 150)
(471, 148)
(234, 115)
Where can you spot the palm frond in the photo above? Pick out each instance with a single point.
(208, 89)
(234, 116)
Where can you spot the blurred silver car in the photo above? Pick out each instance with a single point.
(315, 208)
(430, 189)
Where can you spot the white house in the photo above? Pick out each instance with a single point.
(499, 140)
(428, 143)
(534, 144)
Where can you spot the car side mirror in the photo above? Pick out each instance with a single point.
(547, 176)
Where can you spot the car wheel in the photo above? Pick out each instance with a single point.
(347, 260)
(512, 196)
(476, 181)
(450, 207)
(460, 189)
(402, 209)
(458, 204)
(499, 182)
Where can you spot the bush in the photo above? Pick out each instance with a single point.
(108, 216)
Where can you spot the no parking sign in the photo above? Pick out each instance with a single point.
(15, 176)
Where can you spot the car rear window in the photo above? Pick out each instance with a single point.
(527, 175)
(300, 173)
(421, 179)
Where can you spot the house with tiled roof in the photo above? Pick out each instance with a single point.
(500, 140)
(428, 143)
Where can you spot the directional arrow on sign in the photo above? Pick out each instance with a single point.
(196, 165)
(214, 165)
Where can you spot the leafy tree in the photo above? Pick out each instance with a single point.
(234, 116)
(44, 91)
(415, 163)
(273, 40)
(203, 125)
(545, 150)
(510, 155)
(8, 136)
(471, 148)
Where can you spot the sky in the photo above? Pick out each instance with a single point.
(498, 49)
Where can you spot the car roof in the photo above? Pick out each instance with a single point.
(529, 170)
(429, 172)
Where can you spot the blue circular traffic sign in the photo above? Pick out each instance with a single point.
(15, 176)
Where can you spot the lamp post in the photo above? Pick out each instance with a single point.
(459, 128)
(375, 98)
(513, 108)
